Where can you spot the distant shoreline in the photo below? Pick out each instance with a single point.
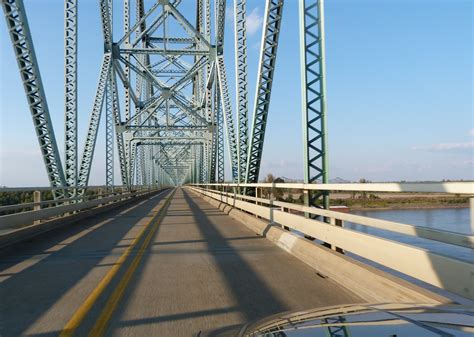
(405, 207)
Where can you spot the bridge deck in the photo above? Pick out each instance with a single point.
(193, 269)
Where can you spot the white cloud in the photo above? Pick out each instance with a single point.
(254, 21)
(471, 132)
(446, 147)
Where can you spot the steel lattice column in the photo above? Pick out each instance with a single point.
(122, 151)
(220, 24)
(271, 33)
(220, 143)
(25, 55)
(109, 113)
(212, 176)
(228, 117)
(241, 83)
(126, 30)
(91, 137)
(109, 135)
(314, 98)
(70, 95)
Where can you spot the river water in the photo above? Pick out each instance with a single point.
(449, 219)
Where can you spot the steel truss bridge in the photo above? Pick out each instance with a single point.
(145, 258)
(172, 124)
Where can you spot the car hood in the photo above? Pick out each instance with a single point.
(390, 320)
(363, 320)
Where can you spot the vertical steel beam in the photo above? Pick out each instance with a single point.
(215, 107)
(228, 117)
(224, 111)
(200, 27)
(106, 17)
(121, 150)
(212, 173)
(139, 160)
(209, 67)
(109, 114)
(134, 166)
(207, 93)
(220, 143)
(311, 14)
(270, 36)
(220, 24)
(91, 137)
(109, 135)
(131, 162)
(241, 83)
(126, 30)
(70, 95)
(139, 165)
(127, 97)
(28, 65)
(201, 166)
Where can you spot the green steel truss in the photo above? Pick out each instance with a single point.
(314, 98)
(70, 95)
(22, 42)
(268, 54)
(177, 112)
(240, 33)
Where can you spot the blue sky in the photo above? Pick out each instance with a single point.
(399, 85)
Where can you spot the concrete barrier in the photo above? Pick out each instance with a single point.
(370, 283)
(28, 232)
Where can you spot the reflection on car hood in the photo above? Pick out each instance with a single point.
(387, 320)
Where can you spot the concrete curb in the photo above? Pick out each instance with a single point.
(368, 282)
(28, 232)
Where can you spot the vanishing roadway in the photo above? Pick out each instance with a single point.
(171, 265)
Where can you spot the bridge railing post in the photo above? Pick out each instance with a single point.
(271, 197)
(306, 201)
(37, 200)
(339, 223)
(100, 194)
(471, 206)
(258, 194)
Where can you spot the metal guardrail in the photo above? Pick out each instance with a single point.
(102, 192)
(456, 276)
(62, 206)
(464, 188)
(448, 237)
(49, 188)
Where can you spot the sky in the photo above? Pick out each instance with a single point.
(399, 89)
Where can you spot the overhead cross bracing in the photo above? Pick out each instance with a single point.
(163, 92)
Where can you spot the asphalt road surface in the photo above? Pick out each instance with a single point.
(171, 265)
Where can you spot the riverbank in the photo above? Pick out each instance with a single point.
(406, 207)
(399, 203)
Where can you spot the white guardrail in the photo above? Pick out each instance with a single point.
(451, 274)
(58, 207)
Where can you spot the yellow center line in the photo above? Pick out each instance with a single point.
(78, 316)
(102, 322)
